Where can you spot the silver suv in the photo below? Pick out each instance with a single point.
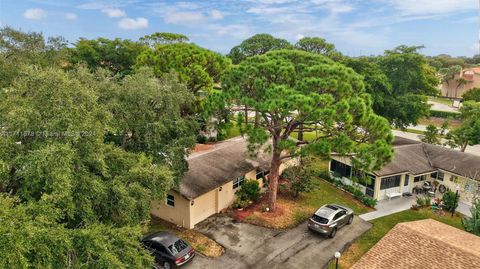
(329, 218)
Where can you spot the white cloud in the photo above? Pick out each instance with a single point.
(71, 16)
(423, 7)
(299, 36)
(35, 14)
(131, 24)
(238, 31)
(114, 12)
(184, 17)
(216, 14)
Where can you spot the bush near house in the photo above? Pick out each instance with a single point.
(300, 179)
(358, 194)
(451, 201)
(250, 192)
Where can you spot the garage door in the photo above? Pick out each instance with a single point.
(203, 207)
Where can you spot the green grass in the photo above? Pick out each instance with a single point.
(441, 100)
(307, 136)
(234, 131)
(326, 193)
(381, 227)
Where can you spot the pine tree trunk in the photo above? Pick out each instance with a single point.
(273, 177)
(300, 132)
(464, 147)
(246, 114)
(257, 118)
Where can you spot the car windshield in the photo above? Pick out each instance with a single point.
(319, 219)
(177, 247)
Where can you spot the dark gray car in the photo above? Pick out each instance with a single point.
(329, 218)
(169, 250)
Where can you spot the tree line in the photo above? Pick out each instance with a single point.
(92, 132)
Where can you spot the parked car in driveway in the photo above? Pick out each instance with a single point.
(329, 218)
(169, 250)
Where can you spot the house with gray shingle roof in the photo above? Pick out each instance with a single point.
(213, 177)
(413, 164)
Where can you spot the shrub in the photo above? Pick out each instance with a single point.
(450, 200)
(250, 191)
(444, 114)
(201, 139)
(472, 224)
(239, 202)
(420, 201)
(300, 178)
(368, 201)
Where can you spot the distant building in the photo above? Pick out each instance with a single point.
(466, 80)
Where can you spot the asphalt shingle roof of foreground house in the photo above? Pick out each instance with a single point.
(212, 168)
(423, 244)
(417, 158)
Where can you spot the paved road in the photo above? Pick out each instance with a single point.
(442, 107)
(249, 246)
(470, 149)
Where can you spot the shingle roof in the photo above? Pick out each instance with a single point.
(407, 158)
(423, 244)
(418, 158)
(210, 169)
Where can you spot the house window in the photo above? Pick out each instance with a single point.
(440, 175)
(170, 200)
(390, 182)
(420, 178)
(407, 179)
(340, 169)
(238, 182)
(262, 174)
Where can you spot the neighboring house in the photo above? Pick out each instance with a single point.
(414, 163)
(210, 184)
(466, 80)
(423, 244)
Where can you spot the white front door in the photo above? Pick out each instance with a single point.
(406, 186)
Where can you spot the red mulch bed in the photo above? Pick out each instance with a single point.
(240, 215)
(202, 147)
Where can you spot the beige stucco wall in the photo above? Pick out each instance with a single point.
(203, 207)
(180, 214)
(225, 196)
(468, 187)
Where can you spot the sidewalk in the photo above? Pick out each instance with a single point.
(388, 207)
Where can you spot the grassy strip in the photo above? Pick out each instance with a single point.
(441, 100)
(381, 227)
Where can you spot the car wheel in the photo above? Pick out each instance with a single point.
(350, 220)
(333, 233)
(167, 265)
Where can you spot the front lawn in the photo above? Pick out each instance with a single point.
(198, 241)
(382, 225)
(293, 211)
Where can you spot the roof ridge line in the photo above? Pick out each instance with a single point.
(218, 146)
(428, 156)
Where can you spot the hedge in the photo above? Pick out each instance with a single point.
(444, 114)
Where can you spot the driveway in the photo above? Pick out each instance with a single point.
(249, 246)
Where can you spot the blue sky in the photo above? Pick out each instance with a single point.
(356, 27)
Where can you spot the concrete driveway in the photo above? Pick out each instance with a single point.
(249, 246)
